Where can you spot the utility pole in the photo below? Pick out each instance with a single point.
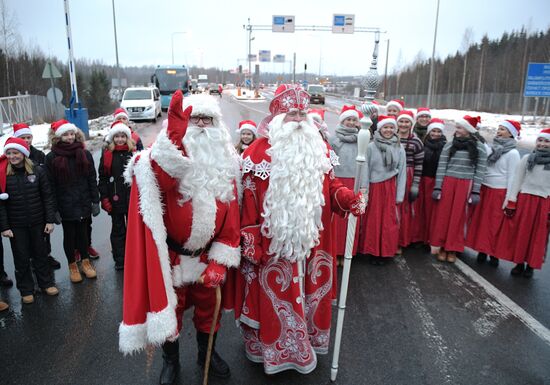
(386, 70)
(430, 82)
(116, 52)
(294, 69)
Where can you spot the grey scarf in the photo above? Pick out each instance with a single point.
(389, 149)
(539, 157)
(500, 147)
(346, 134)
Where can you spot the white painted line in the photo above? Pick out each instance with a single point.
(526, 318)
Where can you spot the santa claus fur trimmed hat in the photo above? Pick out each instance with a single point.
(247, 125)
(204, 105)
(423, 111)
(62, 126)
(544, 134)
(435, 123)
(349, 112)
(118, 128)
(397, 103)
(317, 114)
(20, 129)
(383, 120)
(513, 126)
(469, 123)
(407, 115)
(121, 112)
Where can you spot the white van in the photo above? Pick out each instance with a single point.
(142, 103)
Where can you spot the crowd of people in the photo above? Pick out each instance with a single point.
(265, 220)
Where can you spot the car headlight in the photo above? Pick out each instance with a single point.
(149, 107)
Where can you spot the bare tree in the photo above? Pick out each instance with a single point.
(8, 34)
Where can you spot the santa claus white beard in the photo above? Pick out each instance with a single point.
(215, 163)
(294, 199)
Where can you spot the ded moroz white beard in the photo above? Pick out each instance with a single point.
(294, 199)
(215, 163)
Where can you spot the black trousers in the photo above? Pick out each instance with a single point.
(2, 271)
(75, 237)
(90, 231)
(27, 243)
(118, 237)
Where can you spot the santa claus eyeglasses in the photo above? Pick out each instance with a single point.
(205, 119)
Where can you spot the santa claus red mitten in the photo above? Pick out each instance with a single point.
(214, 275)
(178, 120)
(349, 201)
(359, 205)
(510, 209)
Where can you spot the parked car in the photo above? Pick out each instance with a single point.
(142, 103)
(317, 93)
(213, 88)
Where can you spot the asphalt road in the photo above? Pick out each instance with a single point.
(414, 321)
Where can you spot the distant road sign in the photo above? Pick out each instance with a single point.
(278, 58)
(538, 80)
(54, 95)
(282, 23)
(343, 23)
(248, 82)
(265, 56)
(50, 71)
(253, 57)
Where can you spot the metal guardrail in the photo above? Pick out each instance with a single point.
(29, 109)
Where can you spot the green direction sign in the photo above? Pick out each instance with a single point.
(50, 71)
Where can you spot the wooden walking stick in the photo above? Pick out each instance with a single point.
(211, 334)
(363, 138)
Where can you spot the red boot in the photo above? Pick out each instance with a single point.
(93, 252)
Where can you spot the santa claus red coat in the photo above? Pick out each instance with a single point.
(163, 205)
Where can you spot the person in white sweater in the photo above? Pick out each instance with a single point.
(386, 175)
(488, 218)
(524, 236)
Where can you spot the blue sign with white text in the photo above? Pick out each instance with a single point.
(339, 21)
(278, 20)
(537, 83)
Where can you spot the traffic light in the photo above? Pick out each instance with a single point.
(305, 67)
(240, 68)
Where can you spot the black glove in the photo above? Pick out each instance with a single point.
(57, 218)
(95, 209)
(413, 194)
(474, 198)
(436, 194)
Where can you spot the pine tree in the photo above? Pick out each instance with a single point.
(96, 95)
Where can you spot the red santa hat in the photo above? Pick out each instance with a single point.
(62, 126)
(348, 112)
(247, 125)
(406, 115)
(513, 126)
(12, 143)
(20, 129)
(435, 123)
(118, 128)
(398, 103)
(383, 120)
(287, 97)
(121, 112)
(470, 123)
(423, 111)
(317, 114)
(545, 133)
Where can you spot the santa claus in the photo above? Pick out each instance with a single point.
(283, 302)
(183, 232)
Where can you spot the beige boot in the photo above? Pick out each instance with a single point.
(441, 255)
(52, 290)
(74, 273)
(451, 257)
(27, 299)
(88, 269)
(4, 306)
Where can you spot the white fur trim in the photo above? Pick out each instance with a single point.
(423, 113)
(464, 123)
(129, 170)
(348, 113)
(544, 135)
(18, 147)
(383, 122)
(188, 271)
(431, 126)
(21, 132)
(204, 104)
(395, 104)
(158, 325)
(131, 338)
(406, 117)
(249, 127)
(506, 124)
(122, 114)
(65, 128)
(224, 254)
(119, 128)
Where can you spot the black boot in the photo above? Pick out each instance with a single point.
(171, 362)
(493, 261)
(5, 281)
(518, 269)
(54, 263)
(481, 257)
(218, 367)
(528, 272)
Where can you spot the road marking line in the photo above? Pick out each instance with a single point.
(527, 319)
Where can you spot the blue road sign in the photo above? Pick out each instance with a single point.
(304, 83)
(248, 82)
(538, 80)
(339, 20)
(279, 20)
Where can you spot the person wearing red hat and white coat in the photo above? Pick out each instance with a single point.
(524, 236)
(27, 211)
(183, 232)
(121, 114)
(488, 218)
(394, 107)
(284, 289)
(433, 145)
(386, 181)
(247, 134)
(414, 150)
(460, 172)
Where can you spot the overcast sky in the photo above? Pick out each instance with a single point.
(215, 35)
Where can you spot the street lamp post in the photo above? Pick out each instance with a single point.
(430, 81)
(172, 37)
(116, 53)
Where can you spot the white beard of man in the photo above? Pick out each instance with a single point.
(215, 163)
(294, 199)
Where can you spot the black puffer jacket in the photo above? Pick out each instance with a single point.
(74, 198)
(30, 200)
(113, 184)
(37, 156)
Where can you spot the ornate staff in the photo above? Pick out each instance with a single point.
(363, 139)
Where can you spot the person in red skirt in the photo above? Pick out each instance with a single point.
(488, 218)
(524, 237)
(433, 145)
(344, 144)
(460, 171)
(414, 150)
(386, 176)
